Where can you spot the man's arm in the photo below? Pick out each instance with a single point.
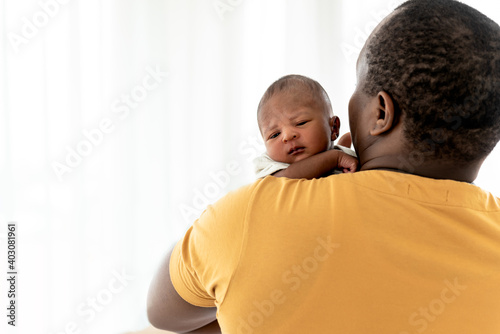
(319, 164)
(167, 310)
(211, 328)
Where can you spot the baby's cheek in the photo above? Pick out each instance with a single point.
(283, 157)
(274, 154)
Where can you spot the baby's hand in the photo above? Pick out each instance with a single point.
(347, 163)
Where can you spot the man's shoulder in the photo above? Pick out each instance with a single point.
(271, 190)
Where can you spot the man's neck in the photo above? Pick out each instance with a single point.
(431, 169)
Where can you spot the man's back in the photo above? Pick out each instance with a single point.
(370, 252)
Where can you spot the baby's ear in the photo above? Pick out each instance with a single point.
(335, 127)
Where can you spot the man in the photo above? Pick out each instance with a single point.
(406, 245)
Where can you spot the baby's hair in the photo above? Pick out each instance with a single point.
(440, 62)
(294, 81)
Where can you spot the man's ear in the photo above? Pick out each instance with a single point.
(385, 113)
(335, 127)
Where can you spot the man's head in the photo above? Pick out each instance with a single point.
(438, 64)
(295, 119)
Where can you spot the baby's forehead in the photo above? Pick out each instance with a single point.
(284, 100)
(288, 102)
(291, 97)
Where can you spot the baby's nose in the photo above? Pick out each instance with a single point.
(289, 135)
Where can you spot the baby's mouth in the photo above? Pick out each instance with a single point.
(296, 150)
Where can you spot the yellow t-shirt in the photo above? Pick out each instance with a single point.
(375, 252)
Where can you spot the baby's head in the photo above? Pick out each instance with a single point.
(295, 119)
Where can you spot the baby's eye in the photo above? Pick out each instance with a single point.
(274, 135)
(302, 123)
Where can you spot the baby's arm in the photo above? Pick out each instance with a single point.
(319, 164)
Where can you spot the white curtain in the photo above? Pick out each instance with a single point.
(120, 121)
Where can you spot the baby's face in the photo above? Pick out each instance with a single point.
(294, 127)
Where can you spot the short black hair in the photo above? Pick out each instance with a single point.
(439, 60)
(293, 81)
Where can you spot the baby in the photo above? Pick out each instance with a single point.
(297, 124)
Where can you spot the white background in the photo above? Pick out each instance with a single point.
(172, 149)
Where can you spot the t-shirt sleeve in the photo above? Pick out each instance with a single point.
(203, 261)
